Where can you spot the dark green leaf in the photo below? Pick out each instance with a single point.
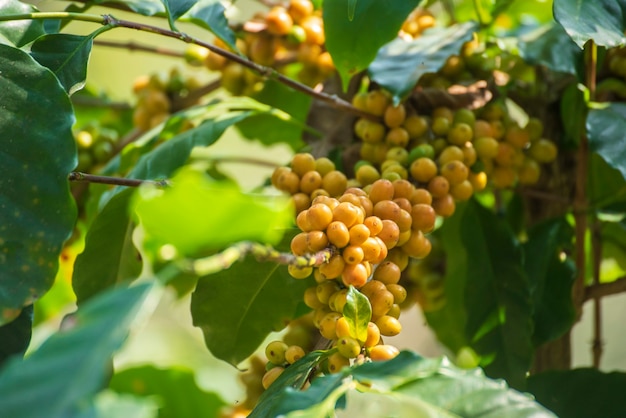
(209, 14)
(551, 47)
(550, 278)
(497, 296)
(449, 322)
(15, 335)
(408, 385)
(172, 154)
(175, 9)
(581, 393)
(66, 56)
(607, 185)
(238, 307)
(294, 376)
(352, 47)
(72, 365)
(400, 64)
(358, 313)
(271, 128)
(198, 213)
(176, 389)
(109, 257)
(573, 111)
(19, 32)
(37, 152)
(605, 128)
(603, 21)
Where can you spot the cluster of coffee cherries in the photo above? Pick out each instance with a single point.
(280, 37)
(373, 232)
(155, 97)
(96, 145)
(449, 153)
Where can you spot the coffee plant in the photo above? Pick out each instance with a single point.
(464, 156)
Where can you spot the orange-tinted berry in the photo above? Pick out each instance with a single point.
(371, 249)
(383, 352)
(381, 190)
(390, 234)
(355, 275)
(347, 213)
(418, 246)
(395, 116)
(338, 234)
(319, 216)
(388, 325)
(424, 217)
(358, 234)
(373, 335)
(387, 273)
(438, 186)
(421, 196)
(462, 191)
(278, 21)
(316, 241)
(381, 302)
(333, 268)
(310, 181)
(299, 244)
(335, 183)
(444, 206)
(398, 291)
(455, 172)
(353, 254)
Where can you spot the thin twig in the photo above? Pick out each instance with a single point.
(596, 249)
(605, 289)
(117, 181)
(264, 71)
(135, 46)
(580, 198)
(225, 259)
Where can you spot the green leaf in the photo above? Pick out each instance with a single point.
(109, 404)
(494, 296)
(71, 366)
(37, 152)
(66, 56)
(605, 128)
(109, 256)
(573, 111)
(285, 124)
(294, 376)
(197, 213)
(175, 9)
(15, 335)
(237, 308)
(407, 383)
(551, 47)
(209, 14)
(603, 21)
(581, 393)
(607, 185)
(358, 313)
(550, 279)
(176, 389)
(352, 47)
(19, 32)
(172, 154)
(400, 64)
(449, 322)
(497, 295)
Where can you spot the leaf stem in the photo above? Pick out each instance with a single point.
(117, 181)
(596, 252)
(84, 17)
(580, 205)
